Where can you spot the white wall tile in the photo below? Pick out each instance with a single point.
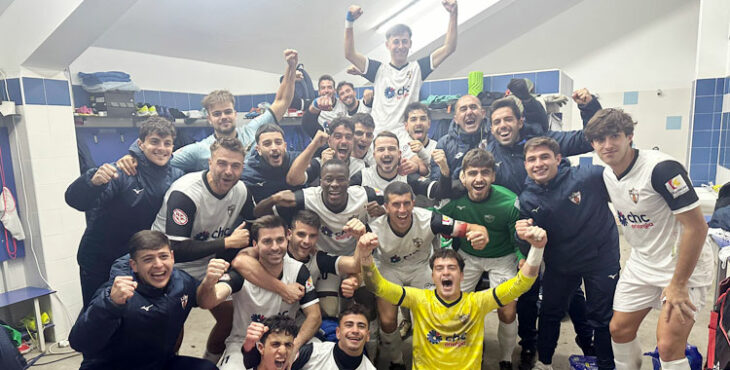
(50, 196)
(62, 271)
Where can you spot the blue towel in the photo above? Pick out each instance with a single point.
(97, 78)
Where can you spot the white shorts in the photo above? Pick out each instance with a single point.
(500, 270)
(633, 294)
(418, 276)
(232, 357)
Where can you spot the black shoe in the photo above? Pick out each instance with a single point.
(505, 365)
(587, 348)
(397, 366)
(527, 359)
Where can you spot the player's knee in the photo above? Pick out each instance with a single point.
(670, 347)
(620, 332)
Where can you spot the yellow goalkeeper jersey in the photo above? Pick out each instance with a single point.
(447, 335)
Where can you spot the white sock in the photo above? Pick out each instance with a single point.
(627, 356)
(681, 364)
(392, 346)
(507, 338)
(212, 357)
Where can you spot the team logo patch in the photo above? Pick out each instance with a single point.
(460, 208)
(575, 197)
(489, 218)
(434, 337)
(309, 285)
(463, 319)
(257, 317)
(231, 208)
(634, 194)
(179, 217)
(446, 220)
(389, 92)
(459, 155)
(184, 301)
(677, 186)
(417, 242)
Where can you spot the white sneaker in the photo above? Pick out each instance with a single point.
(540, 366)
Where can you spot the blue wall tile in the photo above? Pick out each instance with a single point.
(702, 122)
(425, 91)
(459, 86)
(246, 103)
(258, 98)
(167, 99)
(700, 173)
(674, 123)
(139, 97)
(717, 121)
(439, 87)
(705, 87)
(270, 98)
(727, 85)
(195, 101)
(487, 83)
(631, 97)
(151, 97)
(181, 101)
(720, 86)
(700, 155)
(702, 139)
(499, 83)
(57, 92)
(34, 91)
(718, 103)
(13, 89)
(81, 97)
(532, 76)
(704, 104)
(548, 82)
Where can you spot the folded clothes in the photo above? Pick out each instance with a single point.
(109, 86)
(100, 77)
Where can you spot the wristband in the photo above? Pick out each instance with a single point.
(349, 17)
(459, 230)
(348, 24)
(534, 258)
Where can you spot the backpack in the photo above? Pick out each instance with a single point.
(718, 342)
(303, 90)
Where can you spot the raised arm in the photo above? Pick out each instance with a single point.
(210, 293)
(285, 93)
(284, 198)
(297, 174)
(357, 59)
(449, 45)
(374, 281)
(92, 188)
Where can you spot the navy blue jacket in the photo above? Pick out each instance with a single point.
(573, 210)
(118, 209)
(262, 180)
(140, 334)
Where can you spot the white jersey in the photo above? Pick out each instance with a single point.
(321, 264)
(253, 303)
(404, 138)
(395, 88)
(332, 239)
(320, 356)
(414, 248)
(371, 178)
(648, 195)
(339, 110)
(191, 210)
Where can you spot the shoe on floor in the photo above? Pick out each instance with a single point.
(505, 365)
(540, 366)
(527, 359)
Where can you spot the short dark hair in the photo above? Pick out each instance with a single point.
(387, 134)
(230, 143)
(266, 222)
(334, 162)
(539, 141)
(478, 157)
(279, 324)
(607, 122)
(508, 103)
(397, 188)
(364, 119)
(398, 29)
(147, 240)
(156, 125)
(446, 253)
(268, 127)
(341, 121)
(354, 309)
(306, 217)
(325, 78)
(416, 105)
(344, 83)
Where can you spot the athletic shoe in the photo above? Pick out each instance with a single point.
(505, 365)
(152, 110)
(587, 348)
(143, 111)
(405, 328)
(540, 366)
(527, 359)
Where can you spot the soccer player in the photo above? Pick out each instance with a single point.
(414, 135)
(407, 237)
(119, 205)
(134, 319)
(251, 303)
(448, 324)
(199, 213)
(220, 106)
(265, 171)
(671, 262)
(326, 107)
(492, 206)
(396, 84)
(586, 252)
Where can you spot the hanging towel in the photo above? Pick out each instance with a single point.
(476, 83)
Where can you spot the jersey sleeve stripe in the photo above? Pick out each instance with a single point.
(687, 208)
(496, 299)
(402, 297)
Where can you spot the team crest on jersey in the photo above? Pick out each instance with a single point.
(489, 218)
(179, 217)
(459, 155)
(257, 317)
(184, 301)
(309, 285)
(677, 186)
(446, 220)
(634, 194)
(417, 242)
(575, 197)
(434, 337)
(231, 208)
(463, 319)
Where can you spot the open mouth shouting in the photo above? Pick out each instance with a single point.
(343, 153)
(280, 363)
(275, 158)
